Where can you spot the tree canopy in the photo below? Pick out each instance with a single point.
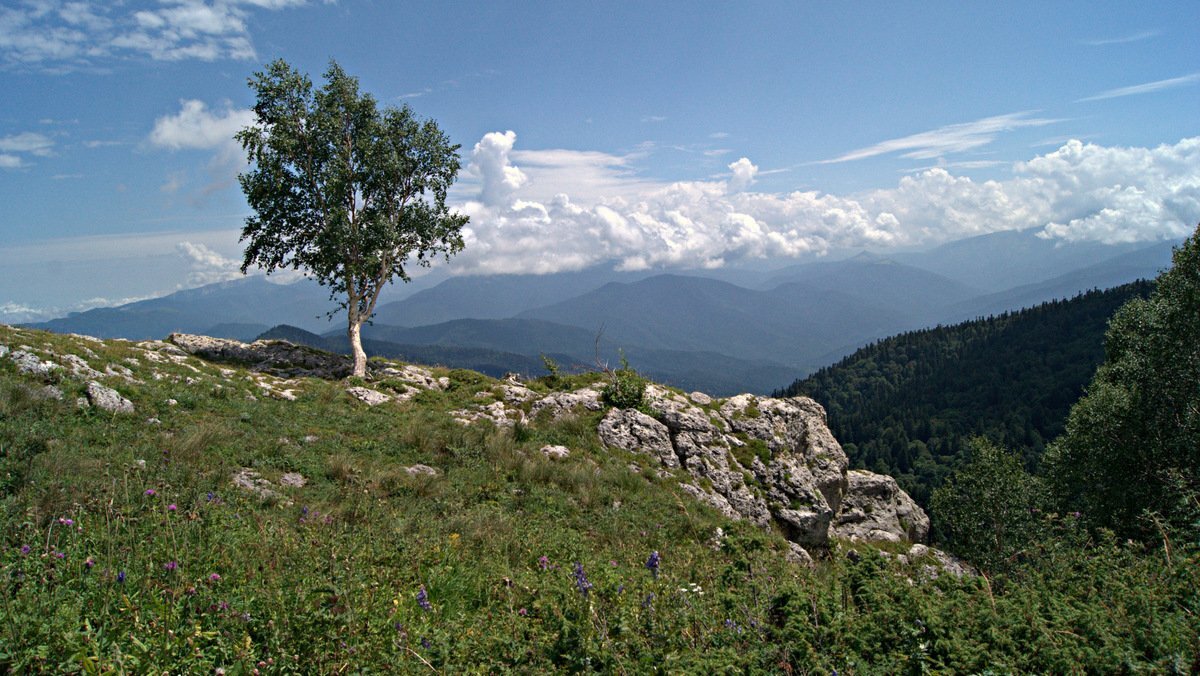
(351, 194)
(1132, 443)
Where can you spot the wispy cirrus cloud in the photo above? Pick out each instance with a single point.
(15, 149)
(1122, 39)
(1145, 88)
(953, 138)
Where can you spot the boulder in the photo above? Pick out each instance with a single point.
(107, 399)
(556, 452)
(565, 403)
(637, 432)
(277, 357)
(29, 363)
(368, 396)
(876, 509)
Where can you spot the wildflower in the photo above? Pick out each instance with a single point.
(121, 577)
(150, 492)
(171, 507)
(25, 550)
(652, 563)
(214, 577)
(90, 562)
(581, 580)
(543, 562)
(1076, 514)
(423, 599)
(209, 497)
(522, 612)
(191, 591)
(425, 643)
(170, 565)
(59, 555)
(66, 522)
(612, 563)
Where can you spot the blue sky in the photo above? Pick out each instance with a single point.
(656, 135)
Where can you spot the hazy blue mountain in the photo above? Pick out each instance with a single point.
(1143, 263)
(494, 296)
(516, 345)
(1003, 260)
(790, 324)
(917, 293)
(250, 300)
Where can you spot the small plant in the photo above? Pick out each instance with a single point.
(625, 387)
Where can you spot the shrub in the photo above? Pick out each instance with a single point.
(625, 387)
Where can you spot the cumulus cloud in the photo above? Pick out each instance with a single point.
(490, 164)
(954, 138)
(207, 266)
(1079, 191)
(744, 173)
(196, 127)
(57, 35)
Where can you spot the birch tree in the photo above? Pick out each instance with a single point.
(350, 194)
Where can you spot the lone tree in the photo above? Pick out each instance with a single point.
(347, 192)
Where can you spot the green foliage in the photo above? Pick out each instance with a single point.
(347, 192)
(988, 510)
(1132, 444)
(325, 578)
(907, 405)
(625, 387)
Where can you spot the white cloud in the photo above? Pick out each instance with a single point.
(1079, 191)
(490, 164)
(60, 36)
(1145, 88)
(195, 127)
(954, 138)
(207, 266)
(744, 173)
(26, 142)
(1133, 37)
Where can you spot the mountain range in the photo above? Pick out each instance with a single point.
(720, 331)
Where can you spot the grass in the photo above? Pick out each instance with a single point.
(126, 548)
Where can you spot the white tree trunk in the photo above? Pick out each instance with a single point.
(360, 357)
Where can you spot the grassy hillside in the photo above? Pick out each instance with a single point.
(125, 546)
(907, 405)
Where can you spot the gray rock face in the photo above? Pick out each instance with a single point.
(277, 357)
(80, 368)
(796, 476)
(29, 363)
(368, 396)
(563, 403)
(556, 452)
(107, 399)
(876, 509)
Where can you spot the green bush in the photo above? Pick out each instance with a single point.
(626, 388)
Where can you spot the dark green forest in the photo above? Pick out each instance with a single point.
(907, 405)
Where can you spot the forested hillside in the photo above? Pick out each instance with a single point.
(907, 405)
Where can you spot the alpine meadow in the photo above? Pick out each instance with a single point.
(628, 339)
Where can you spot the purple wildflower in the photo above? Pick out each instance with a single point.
(59, 555)
(171, 507)
(522, 612)
(543, 562)
(66, 522)
(209, 497)
(150, 492)
(121, 577)
(425, 643)
(89, 563)
(581, 580)
(423, 599)
(25, 550)
(214, 577)
(170, 565)
(652, 563)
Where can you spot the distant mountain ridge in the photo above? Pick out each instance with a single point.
(721, 331)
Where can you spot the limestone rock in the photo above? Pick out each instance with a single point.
(563, 403)
(368, 396)
(875, 508)
(250, 480)
(556, 452)
(3, 351)
(938, 562)
(293, 479)
(277, 357)
(80, 368)
(798, 554)
(421, 470)
(495, 413)
(107, 399)
(637, 432)
(30, 363)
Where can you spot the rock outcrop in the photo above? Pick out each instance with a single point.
(876, 509)
(767, 461)
(276, 357)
